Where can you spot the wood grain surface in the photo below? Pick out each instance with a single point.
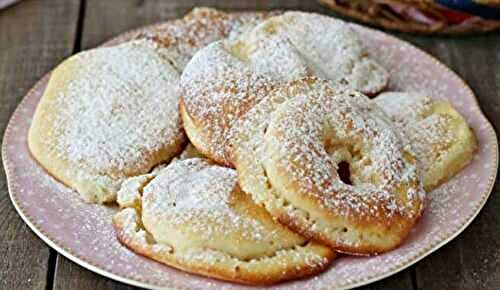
(37, 34)
(34, 36)
(472, 261)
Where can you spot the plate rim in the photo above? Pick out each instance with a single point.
(131, 281)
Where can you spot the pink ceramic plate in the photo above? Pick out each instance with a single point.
(83, 232)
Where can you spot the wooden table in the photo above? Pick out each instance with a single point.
(35, 35)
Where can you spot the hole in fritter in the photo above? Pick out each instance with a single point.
(344, 230)
(344, 172)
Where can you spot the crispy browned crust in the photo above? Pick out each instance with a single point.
(193, 124)
(195, 133)
(221, 271)
(398, 228)
(99, 186)
(362, 250)
(382, 232)
(197, 22)
(410, 27)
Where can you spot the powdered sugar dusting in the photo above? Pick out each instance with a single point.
(195, 193)
(227, 78)
(202, 26)
(331, 49)
(114, 121)
(304, 131)
(437, 137)
(195, 209)
(435, 130)
(217, 90)
(184, 188)
(84, 232)
(311, 125)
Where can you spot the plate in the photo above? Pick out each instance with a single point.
(83, 232)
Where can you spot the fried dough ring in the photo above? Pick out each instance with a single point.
(193, 216)
(440, 137)
(227, 78)
(288, 162)
(111, 112)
